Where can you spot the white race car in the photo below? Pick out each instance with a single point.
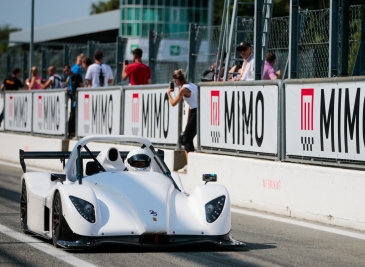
(125, 198)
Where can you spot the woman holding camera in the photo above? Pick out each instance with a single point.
(188, 92)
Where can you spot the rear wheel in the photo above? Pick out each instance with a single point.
(57, 219)
(23, 208)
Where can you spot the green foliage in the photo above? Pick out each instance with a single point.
(102, 6)
(5, 30)
(355, 27)
(281, 8)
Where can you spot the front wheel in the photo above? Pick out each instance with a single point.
(57, 219)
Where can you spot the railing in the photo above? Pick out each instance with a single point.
(314, 121)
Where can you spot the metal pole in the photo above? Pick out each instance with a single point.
(345, 29)
(25, 63)
(221, 49)
(152, 55)
(8, 63)
(192, 55)
(258, 39)
(230, 40)
(293, 39)
(65, 55)
(333, 43)
(90, 49)
(31, 46)
(119, 60)
(44, 63)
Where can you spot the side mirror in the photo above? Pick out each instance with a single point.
(58, 177)
(209, 178)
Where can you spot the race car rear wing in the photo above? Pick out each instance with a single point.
(63, 155)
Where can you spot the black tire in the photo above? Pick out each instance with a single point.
(57, 219)
(23, 208)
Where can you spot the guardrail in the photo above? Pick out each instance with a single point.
(37, 112)
(148, 113)
(241, 118)
(98, 111)
(325, 121)
(316, 121)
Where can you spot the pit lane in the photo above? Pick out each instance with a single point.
(269, 242)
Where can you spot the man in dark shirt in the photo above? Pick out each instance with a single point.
(11, 83)
(73, 82)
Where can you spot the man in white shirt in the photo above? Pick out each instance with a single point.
(99, 74)
(247, 72)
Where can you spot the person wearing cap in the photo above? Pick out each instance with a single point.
(247, 72)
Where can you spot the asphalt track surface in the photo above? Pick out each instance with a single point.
(269, 243)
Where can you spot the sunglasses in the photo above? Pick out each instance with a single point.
(66, 71)
(242, 49)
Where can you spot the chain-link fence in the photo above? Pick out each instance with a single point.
(279, 43)
(171, 51)
(355, 32)
(314, 43)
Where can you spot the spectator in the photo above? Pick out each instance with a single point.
(99, 74)
(247, 72)
(269, 71)
(54, 81)
(211, 74)
(11, 83)
(188, 92)
(77, 67)
(73, 82)
(35, 81)
(86, 62)
(137, 72)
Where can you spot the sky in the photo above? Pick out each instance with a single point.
(17, 13)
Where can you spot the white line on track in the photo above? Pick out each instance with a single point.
(261, 215)
(46, 248)
(300, 223)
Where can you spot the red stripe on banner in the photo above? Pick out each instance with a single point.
(309, 117)
(305, 116)
(214, 108)
(87, 107)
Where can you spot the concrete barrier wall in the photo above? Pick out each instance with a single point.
(11, 143)
(329, 195)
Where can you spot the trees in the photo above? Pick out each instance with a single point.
(5, 30)
(101, 7)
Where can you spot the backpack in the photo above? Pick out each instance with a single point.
(61, 82)
(101, 76)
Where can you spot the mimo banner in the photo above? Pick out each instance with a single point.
(148, 113)
(326, 120)
(18, 111)
(50, 111)
(239, 117)
(98, 111)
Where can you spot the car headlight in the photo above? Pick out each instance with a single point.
(214, 208)
(86, 209)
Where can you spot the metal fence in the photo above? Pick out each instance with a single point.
(313, 49)
(355, 29)
(164, 66)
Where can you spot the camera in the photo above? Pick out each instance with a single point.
(126, 62)
(172, 85)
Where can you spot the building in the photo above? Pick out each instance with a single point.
(138, 17)
(104, 29)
